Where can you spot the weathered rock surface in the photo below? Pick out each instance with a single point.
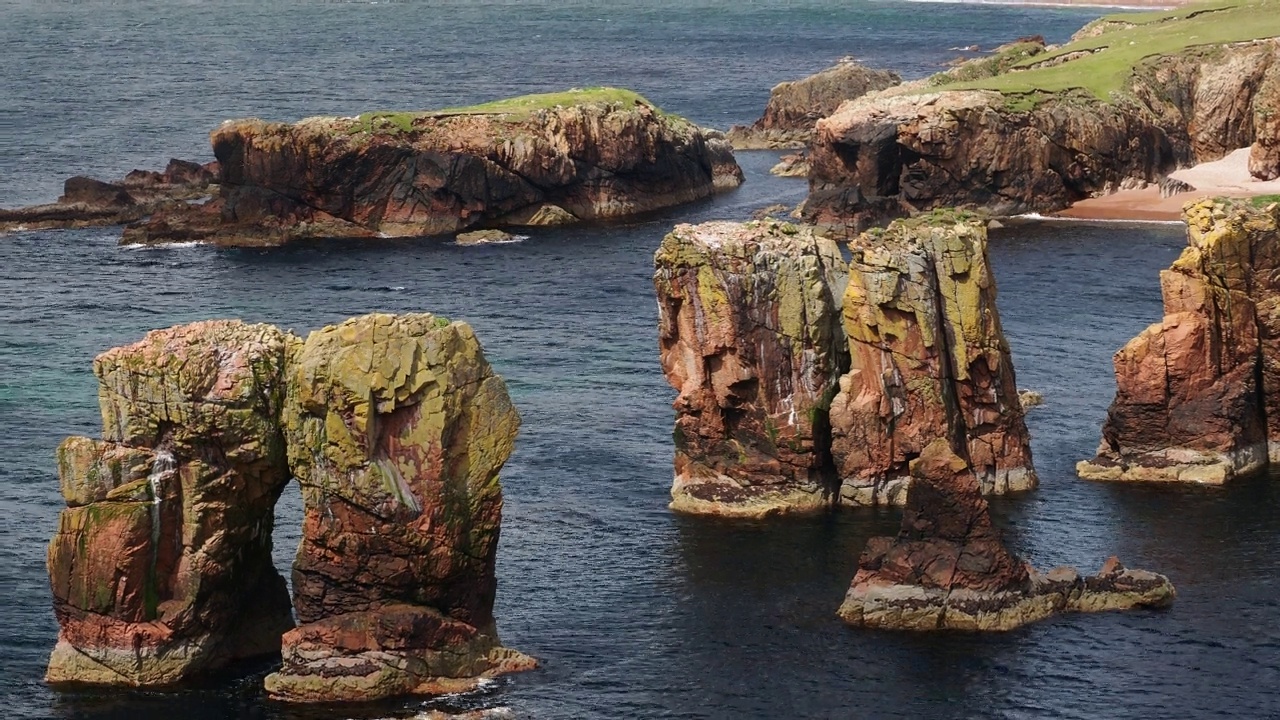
(1264, 154)
(750, 337)
(793, 165)
(928, 360)
(485, 237)
(890, 154)
(948, 569)
(794, 107)
(161, 565)
(86, 202)
(429, 174)
(396, 429)
(1198, 394)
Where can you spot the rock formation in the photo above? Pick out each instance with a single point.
(948, 568)
(86, 202)
(750, 338)
(397, 429)
(395, 426)
(541, 159)
(928, 360)
(1198, 394)
(161, 565)
(1007, 144)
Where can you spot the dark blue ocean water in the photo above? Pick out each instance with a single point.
(635, 612)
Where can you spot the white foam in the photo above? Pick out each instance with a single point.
(1037, 217)
(164, 246)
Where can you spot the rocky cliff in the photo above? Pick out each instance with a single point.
(396, 427)
(537, 160)
(1198, 393)
(1119, 107)
(750, 337)
(928, 360)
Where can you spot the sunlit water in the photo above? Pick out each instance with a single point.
(634, 611)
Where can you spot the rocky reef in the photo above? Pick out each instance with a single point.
(1119, 107)
(86, 202)
(750, 337)
(1198, 393)
(948, 568)
(794, 107)
(805, 384)
(536, 160)
(161, 565)
(395, 426)
(928, 360)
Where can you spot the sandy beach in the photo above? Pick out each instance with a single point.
(1228, 177)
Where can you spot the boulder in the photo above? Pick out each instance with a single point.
(161, 564)
(750, 338)
(928, 360)
(397, 429)
(542, 159)
(948, 568)
(1198, 394)
(484, 237)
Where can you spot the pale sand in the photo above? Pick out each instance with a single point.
(1228, 177)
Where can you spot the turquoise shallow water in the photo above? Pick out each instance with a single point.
(636, 612)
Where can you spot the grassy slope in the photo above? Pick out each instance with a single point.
(1105, 72)
(517, 108)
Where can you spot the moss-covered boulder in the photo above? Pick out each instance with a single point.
(161, 565)
(397, 428)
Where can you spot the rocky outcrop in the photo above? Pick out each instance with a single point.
(161, 565)
(794, 107)
(928, 360)
(396, 429)
(890, 154)
(1264, 154)
(750, 337)
(584, 155)
(793, 165)
(1198, 394)
(948, 568)
(86, 202)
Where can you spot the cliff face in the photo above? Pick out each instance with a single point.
(750, 337)
(1198, 394)
(161, 565)
(1014, 149)
(928, 360)
(429, 174)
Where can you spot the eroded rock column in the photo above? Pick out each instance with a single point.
(161, 565)
(750, 336)
(928, 360)
(397, 429)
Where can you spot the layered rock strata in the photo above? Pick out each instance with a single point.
(1198, 393)
(750, 337)
(795, 106)
(86, 202)
(161, 565)
(948, 568)
(539, 160)
(396, 428)
(928, 360)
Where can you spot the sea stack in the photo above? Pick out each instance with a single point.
(928, 360)
(397, 428)
(1198, 393)
(560, 158)
(750, 337)
(161, 566)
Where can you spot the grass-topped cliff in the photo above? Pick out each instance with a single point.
(1104, 55)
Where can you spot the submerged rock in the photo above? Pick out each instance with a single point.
(540, 159)
(397, 429)
(928, 360)
(750, 337)
(484, 237)
(948, 568)
(1198, 394)
(161, 565)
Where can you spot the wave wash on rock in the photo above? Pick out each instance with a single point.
(783, 408)
(396, 427)
(536, 160)
(1198, 393)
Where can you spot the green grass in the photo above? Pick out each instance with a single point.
(1116, 53)
(989, 66)
(1264, 200)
